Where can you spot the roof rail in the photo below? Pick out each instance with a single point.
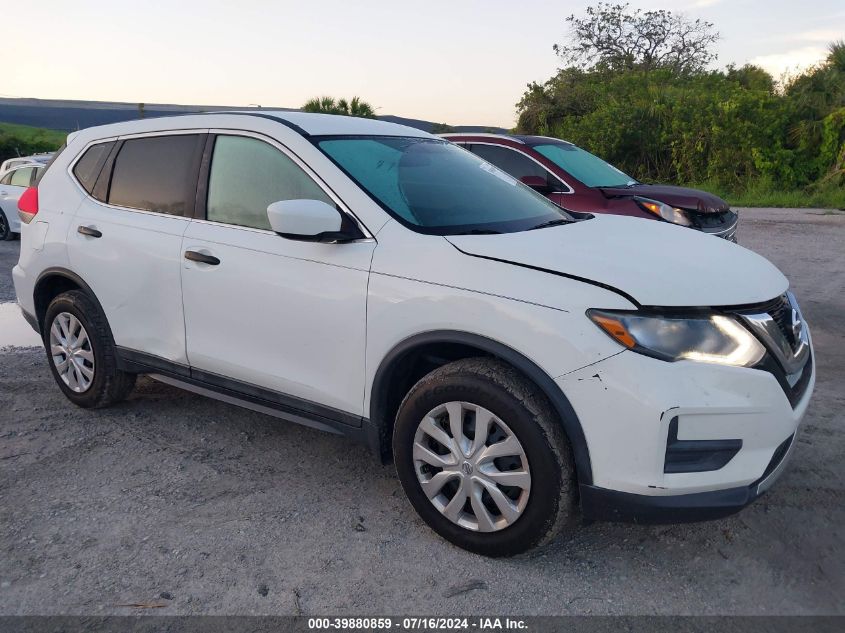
(263, 115)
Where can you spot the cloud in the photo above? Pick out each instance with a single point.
(790, 62)
(701, 4)
(817, 35)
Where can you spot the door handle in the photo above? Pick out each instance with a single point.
(87, 230)
(194, 256)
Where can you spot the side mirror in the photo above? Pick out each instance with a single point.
(538, 183)
(309, 221)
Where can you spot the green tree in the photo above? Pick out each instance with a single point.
(652, 108)
(330, 105)
(613, 37)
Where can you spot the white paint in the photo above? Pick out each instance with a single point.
(657, 263)
(316, 320)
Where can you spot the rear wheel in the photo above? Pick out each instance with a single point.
(482, 458)
(81, 352)
(6, 234)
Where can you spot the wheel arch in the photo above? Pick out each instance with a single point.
(51, 283)
(397, 368)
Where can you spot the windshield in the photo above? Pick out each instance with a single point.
(436, 187)
(589, 169)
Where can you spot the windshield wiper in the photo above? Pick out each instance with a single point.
(478, 232)
(557, 222)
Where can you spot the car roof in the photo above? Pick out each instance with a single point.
(304, 123)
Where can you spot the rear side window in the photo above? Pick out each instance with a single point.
(88, 167)
(157, 173)
(7, 179)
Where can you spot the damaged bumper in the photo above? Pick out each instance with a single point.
(680, 441)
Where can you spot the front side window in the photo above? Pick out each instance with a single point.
(7, 179)
(436, 187)
(589, 169)
(247, 175)
(22, 177)
(156, 173)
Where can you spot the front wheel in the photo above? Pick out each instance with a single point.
(483, 460)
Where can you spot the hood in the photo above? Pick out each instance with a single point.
(681, 197)
(655, 263)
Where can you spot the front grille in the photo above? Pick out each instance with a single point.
(781, 313)
(719, 224)
(780, 310)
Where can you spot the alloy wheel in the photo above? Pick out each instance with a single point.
(70, 349)
(4, 226)
(471, 466)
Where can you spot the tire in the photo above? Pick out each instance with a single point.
(75, 325)
(537, 508)
(6, 234)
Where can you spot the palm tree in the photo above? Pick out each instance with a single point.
(836, 55)
(330, 105)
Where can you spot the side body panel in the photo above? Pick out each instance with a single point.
(133, 269)
(421, 283)
(280, 314)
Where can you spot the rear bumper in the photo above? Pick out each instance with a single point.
(601, 504)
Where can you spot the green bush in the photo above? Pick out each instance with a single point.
(22, 140)
(735, 130)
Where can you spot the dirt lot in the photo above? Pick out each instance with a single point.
(177, 500)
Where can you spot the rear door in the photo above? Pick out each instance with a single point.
(125, 240)
(281, 319)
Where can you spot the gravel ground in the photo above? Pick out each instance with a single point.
(8, 258)
(176, 500)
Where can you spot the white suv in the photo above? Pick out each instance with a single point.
(514, 360)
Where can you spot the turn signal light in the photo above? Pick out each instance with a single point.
(615, 328)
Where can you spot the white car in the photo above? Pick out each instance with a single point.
(513, 360)
(12, 184)
(35, 159)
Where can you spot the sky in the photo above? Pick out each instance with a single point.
(461, 62)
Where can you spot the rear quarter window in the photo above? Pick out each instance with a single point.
(88, 167)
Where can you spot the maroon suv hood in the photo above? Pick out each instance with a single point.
(682, 197)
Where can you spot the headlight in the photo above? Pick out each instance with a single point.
(665, 211)
(710, 339)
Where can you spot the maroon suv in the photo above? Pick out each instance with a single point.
(579, 181)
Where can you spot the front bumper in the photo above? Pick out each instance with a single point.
(627, 405)
(611, 505)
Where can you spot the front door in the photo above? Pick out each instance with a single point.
(273, 317)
